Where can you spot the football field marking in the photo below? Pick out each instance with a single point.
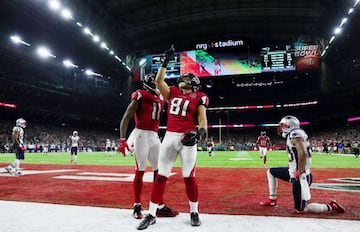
(241, 155)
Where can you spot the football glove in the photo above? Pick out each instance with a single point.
(169, 55)
(201, 133)
(297, 174)
(123, 146)
(23, 148)
(189, 138)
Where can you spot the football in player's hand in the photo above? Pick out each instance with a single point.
(189, 138)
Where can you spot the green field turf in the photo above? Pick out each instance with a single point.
(233, 159)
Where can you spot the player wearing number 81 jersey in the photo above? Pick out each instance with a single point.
(186, 108)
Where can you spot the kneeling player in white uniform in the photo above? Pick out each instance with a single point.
(298, 172)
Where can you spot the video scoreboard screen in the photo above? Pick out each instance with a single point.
(235, 61)
(277, 60)
(173, 68)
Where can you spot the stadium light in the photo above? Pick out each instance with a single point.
(116, 57)
(111, 52)
(343, 21)
(44, 52)
(87, 31)
(337, 31)
(79, 24)
(96, 38)
(67, 63)
(66, 14)
(54, 5)
(356, 2)
(104, 45)
(351, 10)
(331, 39)
(17, 40)
(89, 72)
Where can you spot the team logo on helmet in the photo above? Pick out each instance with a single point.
(21, 123)
(149, 82)
(286, 124)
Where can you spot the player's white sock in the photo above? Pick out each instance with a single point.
(13, 164)
(316, 208)
(152, 208)
(273, 184)
(17, 164)
(194, 206)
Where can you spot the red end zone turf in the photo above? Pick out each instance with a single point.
(222, 191)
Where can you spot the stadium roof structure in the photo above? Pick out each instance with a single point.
(146, 27)
(134, 28)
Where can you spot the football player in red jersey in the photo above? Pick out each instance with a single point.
(263, 142)
(297, 172)
(210, 147)
(186, 105)
(145, 107)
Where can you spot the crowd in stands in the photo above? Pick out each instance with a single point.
(57, 138)
(338, 140)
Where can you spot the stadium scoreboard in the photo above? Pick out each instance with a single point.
(278, 60)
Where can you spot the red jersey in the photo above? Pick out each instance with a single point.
(182, 109)
(263, 141)
(147, 117)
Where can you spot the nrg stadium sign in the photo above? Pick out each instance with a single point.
(219, 44)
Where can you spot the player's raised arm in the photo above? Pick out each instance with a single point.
(160, 76)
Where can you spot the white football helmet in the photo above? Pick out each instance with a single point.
(75, 133)
(21, 122)
(286, 124)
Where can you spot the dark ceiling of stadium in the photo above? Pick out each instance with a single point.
(133, 28)
(150, 26)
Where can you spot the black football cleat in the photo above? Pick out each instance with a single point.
(137, 212)
(148, 220)
(166, 212)
(195, 221)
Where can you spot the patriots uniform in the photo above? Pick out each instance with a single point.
(293, 153)
(19, 153)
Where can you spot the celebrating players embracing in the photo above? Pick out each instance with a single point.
(145, 107)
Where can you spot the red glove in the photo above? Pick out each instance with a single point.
(123, 146)
(23, 148)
